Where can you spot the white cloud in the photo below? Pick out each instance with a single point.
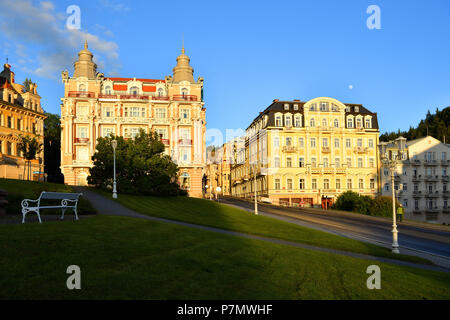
(43, 29)
(350, 87)
(115, 6)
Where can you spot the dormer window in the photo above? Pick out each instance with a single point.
(295, 106)
(286, 106)
(134, 91)
(347, 109)
(349, 122)
(108, 90)
(359, 123)
(356, 109)
(368, 123)
(278, 121)
(82, 88)
(160, 92)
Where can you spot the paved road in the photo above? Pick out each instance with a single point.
(431, 239)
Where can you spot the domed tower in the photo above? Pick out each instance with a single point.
(85, 66)
(183, 71)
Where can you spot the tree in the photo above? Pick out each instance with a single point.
(26, 85)
(29, 147)
(52, 148)
(141, 166)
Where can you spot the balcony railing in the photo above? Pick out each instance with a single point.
(81, 94)
(160, 98)
(289, 149)
(134, 97)
(326, 149)
(81, 140)
(185, 142)
(445, 162)
(185, 97)
(361, 149)
(431, 163)
(107, 96)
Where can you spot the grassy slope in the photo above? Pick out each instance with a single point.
(214, 214)
(126, 258)
(20, 189)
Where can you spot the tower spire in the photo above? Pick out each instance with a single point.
(182, 43)
(85, 44)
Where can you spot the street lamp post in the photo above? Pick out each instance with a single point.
(391, 163)
(256, 198)
(114, 146)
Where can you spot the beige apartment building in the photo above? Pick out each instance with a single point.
(95, 106)
(20, 114)
(421, 180)
(218, 172)
(307, 153)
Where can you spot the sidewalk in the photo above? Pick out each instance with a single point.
(108, 206)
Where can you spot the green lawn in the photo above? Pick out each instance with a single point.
(126, 258)
(222, 216)
(20, 189)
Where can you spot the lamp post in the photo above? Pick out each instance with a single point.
(256, 199)
(114, 146)
(391, 163)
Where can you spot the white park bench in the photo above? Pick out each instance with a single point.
(68, 201)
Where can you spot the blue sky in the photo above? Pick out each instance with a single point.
(249, 52)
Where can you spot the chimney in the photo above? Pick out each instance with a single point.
(275, 100)
(297, 100)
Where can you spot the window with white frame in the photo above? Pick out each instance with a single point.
(82, 132)
(336, 123)
(288, 120)
(313, 162)
(289, 184)
(324, 123)
(298, 120)
(349, 122)
(107, 111)
(184, 114)
(361, 184)
(312, 123)
(276, 142)
(286, 106)
(358, 122)
(82, 153)
(349, 184)
(313, 142)
(314, 184)
(301, 142)
(326, 184)
(278, 121)
(301, 183)
(301, 162)
(370, 143)
(337, 162)
(348, 143)
(336, 143)
(368, 123)
(277, 162)
(338, 183)
(134, 91)
(160, 113)
(82, 111)
(107, 131)
(134, 112)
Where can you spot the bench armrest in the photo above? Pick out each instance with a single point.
(25, 203)
(64, 202)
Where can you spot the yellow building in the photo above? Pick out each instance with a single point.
(20, 114)
(307, 153)
(94, 106)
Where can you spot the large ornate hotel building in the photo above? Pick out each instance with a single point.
(307, 153)
(94, 106)
(20, 114)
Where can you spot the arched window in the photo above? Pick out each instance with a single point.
(82, 88)
(359, 123)
(368, 123)
(336, 123)
(312, 123)
(134, 91)
(349, 122)
(108, 90)
(184, 92)
(160, 92)
(287, 120)
(185, 181)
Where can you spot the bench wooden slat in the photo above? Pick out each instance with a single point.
(60, 195)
